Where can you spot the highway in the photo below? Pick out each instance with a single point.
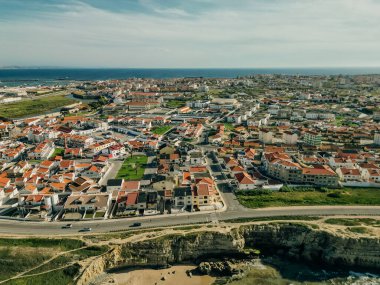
(234, 210)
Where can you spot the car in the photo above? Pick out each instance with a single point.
(86, 230)
(136, 225)
(68, 226)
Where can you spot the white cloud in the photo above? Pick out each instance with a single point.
(256, 33)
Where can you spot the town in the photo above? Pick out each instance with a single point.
(147, 147)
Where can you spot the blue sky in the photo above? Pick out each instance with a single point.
(191, 33)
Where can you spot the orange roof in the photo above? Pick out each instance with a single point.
(244, 178)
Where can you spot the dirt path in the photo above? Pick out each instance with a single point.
(23, 274)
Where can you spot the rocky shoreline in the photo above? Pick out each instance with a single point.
(220, 251)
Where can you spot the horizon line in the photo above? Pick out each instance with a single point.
(196, 68)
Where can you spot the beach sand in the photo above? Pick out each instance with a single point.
(175, 275)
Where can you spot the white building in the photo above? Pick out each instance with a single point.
(376, 139)
(266, 136)
(290, 138)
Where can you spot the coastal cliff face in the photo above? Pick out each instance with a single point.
(316, 246)
(290, 239)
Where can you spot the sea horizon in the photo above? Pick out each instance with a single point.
(51, 75)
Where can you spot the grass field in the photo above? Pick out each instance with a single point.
(19, 255)
(347, 196)
(161, 130)
(58, 277)
(133, 168)
(34, 107)
(175, 103)
(26, 256)
(59, 152)
(229, 126)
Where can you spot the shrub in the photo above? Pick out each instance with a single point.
(72, 270)
(335, 195)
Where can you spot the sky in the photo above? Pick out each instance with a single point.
(190, 33)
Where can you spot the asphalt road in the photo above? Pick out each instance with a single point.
(102, 226)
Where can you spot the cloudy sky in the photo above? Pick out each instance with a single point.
(190, 33)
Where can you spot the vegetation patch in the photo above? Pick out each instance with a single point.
(133, 168)
(229, 126)
(34, 107)
(276, 218)
(62, 244)
(63, 276)
(359, 230)
(20, 255)
(175, 103)
(346, 196)
(161, 130)
(16, 260)
(353, 222)
(58, 152)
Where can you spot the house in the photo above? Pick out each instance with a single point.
(142, 201)
(128, 201)
(42, 151)
(183, 197)
(349, 174)
(82, 184)
(4, 182)
(89, 203)
(66, 165)
(204, 194)
(320, 175)
(151, 200)
(114, 185)
(245, 181)
(73, 153)
(196, 158)
(131, 186)
(93, 172)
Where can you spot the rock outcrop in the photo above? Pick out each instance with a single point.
(317, 246)
(293, 240)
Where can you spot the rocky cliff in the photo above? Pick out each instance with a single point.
(291, 239)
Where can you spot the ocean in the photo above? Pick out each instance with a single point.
(54, 76)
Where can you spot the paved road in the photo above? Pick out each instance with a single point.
(101, 226)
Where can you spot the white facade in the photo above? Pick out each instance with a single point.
(289, 138)
(376, 139)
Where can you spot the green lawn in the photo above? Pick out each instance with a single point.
(133, 168)
(89, 215)
(161, 130)
(58, 152)
(99, 214)
(34, 107)
(175, 103)
(229, 126)
(346, 196)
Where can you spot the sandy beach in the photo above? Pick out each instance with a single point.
(171, 276)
